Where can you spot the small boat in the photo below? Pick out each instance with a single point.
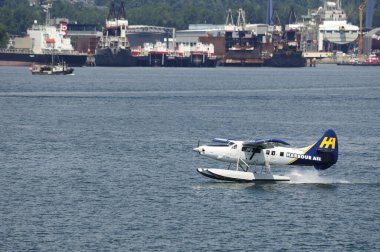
(372, 60)
(352, 61)
(51, 69)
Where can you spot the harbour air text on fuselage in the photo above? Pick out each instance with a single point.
(266, 152)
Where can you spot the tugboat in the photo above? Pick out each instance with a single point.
(114, 48)
(202, 55)
(287, 51)
(158, 55)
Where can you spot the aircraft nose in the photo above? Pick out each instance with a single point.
(196, 149)
(199, 149)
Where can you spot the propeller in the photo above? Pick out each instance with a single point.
(197, 148)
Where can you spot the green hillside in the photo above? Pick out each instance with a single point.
(16, 16)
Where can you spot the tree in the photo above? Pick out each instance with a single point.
(17, 16)
(3, 36)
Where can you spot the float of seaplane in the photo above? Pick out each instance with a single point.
(246, 156)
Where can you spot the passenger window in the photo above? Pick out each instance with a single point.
(273, 153)
(268, 152)
(281, 154)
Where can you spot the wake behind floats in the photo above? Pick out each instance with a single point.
(266, 152)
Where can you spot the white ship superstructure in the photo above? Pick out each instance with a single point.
(115, 34)
(46, 37)
(333, 26)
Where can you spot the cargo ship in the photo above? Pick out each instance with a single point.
(287, 51)
(242, 42)
(35, 47)
(260, 45)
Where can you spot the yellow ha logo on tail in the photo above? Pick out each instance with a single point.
(327, 142)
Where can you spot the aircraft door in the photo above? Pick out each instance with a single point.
(272, 156)
(252, 155)
(234, 153)
(260, 157)
(267, 156)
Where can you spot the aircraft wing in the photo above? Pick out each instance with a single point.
(264, 143)
(221, 142)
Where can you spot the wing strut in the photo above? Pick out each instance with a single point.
(267, 166)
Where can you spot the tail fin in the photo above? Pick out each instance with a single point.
(326, 149)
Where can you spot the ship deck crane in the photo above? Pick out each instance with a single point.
(361, 13)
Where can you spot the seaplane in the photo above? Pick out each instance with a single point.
(250, 154)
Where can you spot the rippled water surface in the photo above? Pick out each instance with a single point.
(102, 160)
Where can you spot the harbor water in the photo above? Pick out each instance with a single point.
(102, 160)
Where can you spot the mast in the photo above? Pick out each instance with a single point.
(47, 8)
(270, 13)
(361, 12)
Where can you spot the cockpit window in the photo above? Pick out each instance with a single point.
(246, 149)
(234, 147)
(249, 149)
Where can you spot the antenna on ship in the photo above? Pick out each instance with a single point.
(270, 13)
(339, 4)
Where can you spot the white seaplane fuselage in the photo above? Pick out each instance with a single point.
(235, 152)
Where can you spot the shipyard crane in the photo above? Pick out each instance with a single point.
(229, 19)
(276, 19)
(292, 16)
(117, 10)
(241, 21)
(361, 13)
